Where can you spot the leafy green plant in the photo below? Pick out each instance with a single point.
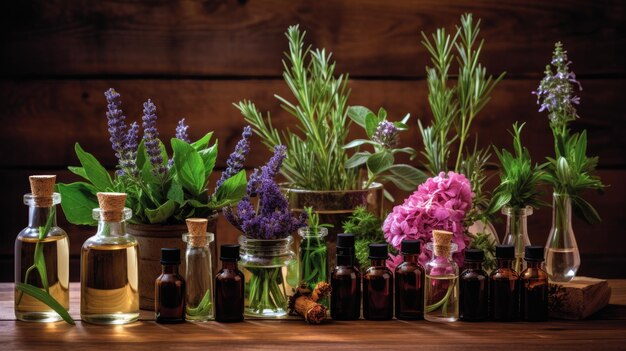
(315, 154)
(313, 251)
(384, 138)
(366, 228)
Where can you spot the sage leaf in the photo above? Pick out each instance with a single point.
(45, 298)
(78, 202)
(371, 123)
(358, 159)
(208, 158)
(203, 142)
(79, 171)
(411, 176)
(357, 114)
(189, 166)
(95, 172)
(380, 162)
(175, 192)
(231, 191)
(162, 213)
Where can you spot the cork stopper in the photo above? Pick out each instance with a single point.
(197, 231)
(42, 187)
(441, 241)
(111, 206)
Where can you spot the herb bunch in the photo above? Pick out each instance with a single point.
(366, 228)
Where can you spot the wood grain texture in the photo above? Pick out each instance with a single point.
(245, 38)
(607, 329)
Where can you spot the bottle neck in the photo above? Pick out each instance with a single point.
(505, 263)
(534, 264)
(475, 265)
(38, 216)
(111, 228)
(411, 258)
(170, 269)
(377, 262)
(345, 260)
(516, 222)
(228, 264)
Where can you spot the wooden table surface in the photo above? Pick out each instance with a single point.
(604, 331)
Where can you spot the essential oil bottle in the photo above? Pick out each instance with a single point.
(345, 282)
(229, 285)
(441, 295)
(169, 289)
(473, 282)
(409, 278)
(199, 272)
(378, 286)
(504, 286)
(534, 286)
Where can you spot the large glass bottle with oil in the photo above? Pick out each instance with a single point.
(108, 274)
(53, 247)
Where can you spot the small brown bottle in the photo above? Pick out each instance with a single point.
(345, 282)
(229, 287)
(378, 286)
(409, 277)
(169, 289)
(504, 286)
(534, 286)
(473, 282)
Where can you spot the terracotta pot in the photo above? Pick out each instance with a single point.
(151, 239)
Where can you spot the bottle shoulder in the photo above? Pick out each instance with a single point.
(377, 271)
(55, 233)
(533, 274)
(110, 242)
(474, 274)
(409, 267)
(504, 273)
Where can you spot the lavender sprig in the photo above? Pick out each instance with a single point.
(151, 139)
(235, 161)
(181, 131)
(117, 126)
(387, 134)
(129, 161)
(268, 171)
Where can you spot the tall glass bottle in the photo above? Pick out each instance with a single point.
(562, 256)
(516, 233)
(312, 254)
(229, 288)
(473, 281)
(169, 289)
(409, 278)
(534, 287)
(441, 295)
(504, 286)
(108, 261)
(199, 273)
(378, 286)
(41, 204)
(345, 282)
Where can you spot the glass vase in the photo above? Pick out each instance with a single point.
(562, 256)
(199, 277)
(312, 256)
(270, 270)
(516, 233)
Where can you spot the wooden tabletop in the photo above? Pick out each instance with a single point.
(605, 330)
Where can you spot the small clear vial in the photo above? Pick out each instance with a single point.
(474, 285)
(169, 289)
(229, 287)
(378, 286)
(504, 286)
(345, 282)
(441, 295)
(409, 278)
(199, 273)
(534, 286)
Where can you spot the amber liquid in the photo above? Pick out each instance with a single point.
(474, 303)
(534, 294)
(229, 294)
(170, 296)
(56, 256)
(504, 294)
(345, 295)
(378, 292)
(109, 284)
(409, 277)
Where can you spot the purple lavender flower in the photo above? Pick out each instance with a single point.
(268, 171)
(387, 135)
(235, 161)
(128, 162)
(117, 127)
(151, 138)
(181, 131)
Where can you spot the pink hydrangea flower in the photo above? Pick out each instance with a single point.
(441, 202)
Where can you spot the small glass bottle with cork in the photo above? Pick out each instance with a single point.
(504, 286)
(229, 287)
(409, 278)
(534, 286)
(345, 282)
(378, 286)
(474, 285)
(199, 274)
(441, 296)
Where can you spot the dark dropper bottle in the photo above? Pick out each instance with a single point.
(229, 287)
(378, 286)
(345, 281)
(534, 286)
(504, 286)
(170, 289)
(409, 277)
(473, 282)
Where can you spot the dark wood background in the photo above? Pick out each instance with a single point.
(195, 58)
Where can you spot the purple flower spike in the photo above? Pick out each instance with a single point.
(181, 131)
(117, 127)
(235, 161)
(387, 135)
(129, 162)
(151, 138)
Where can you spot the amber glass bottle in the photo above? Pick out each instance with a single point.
(504, 286)
(473, 281)
(345, 281)
(229, 287)
(534, 286)
(378, 286)
(169, 289)
(409, 278)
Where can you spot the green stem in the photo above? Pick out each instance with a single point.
(441, 302)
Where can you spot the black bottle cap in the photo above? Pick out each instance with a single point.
(505, 251)
(229, 252)
(170, 256)
(378, 252)
(410, 247)
(345, 240)
(533, 253)
(474, 255)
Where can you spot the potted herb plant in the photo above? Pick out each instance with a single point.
(162, 191)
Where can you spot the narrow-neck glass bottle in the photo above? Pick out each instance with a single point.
(378, 286)
(517, 232)
(199, 273)
(409, 278)
(504, 286)
(109, 274)
(473, 282)
(169, 289)
(562, 255)
(441, 295)
(229, 287)
(534, 286)
(345, 282)
(54, 246)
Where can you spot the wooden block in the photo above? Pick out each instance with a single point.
(579, 298)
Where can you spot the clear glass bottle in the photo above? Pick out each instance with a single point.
(270, 269)
(229, 287)
(378, 286)
(41, 204)
(199, 272)
(345, 282)
(516, 233)
(109, 274)
(312, 255)
(473, 282)
(409, 278)
(534, 286)
(169, 289)
(441, 295)
(562, 256)
(504, 287)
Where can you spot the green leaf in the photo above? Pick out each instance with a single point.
(141, 155)
(79, 171)
(40, 263)
(358, 159)
(203, 142)
(94, 171)
(380, 162)
(371, 123)
(45, 298)
(358, 142)
(358, 113)
(232, 190)
(78, 201)
(406, 118)
(175, 192)
(400, 125)
(189, 166)
(411, 176)
(382, 114)
(208, 158)
(162, 213)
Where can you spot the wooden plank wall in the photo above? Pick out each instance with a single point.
(195, 58)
